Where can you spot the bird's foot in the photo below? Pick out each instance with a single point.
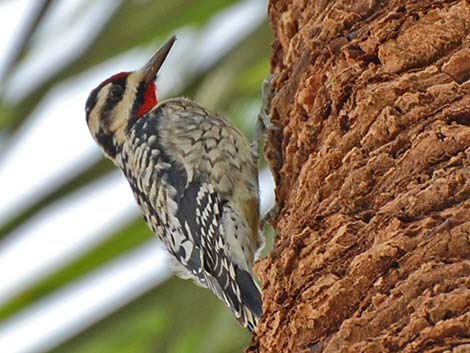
(267, 95)
(270, 215)
(264, 122)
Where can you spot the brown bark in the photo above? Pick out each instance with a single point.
(372, 165)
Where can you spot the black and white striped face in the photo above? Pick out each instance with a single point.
(113, 107)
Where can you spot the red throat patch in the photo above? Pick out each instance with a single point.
(150, 99)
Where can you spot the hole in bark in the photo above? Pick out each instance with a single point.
(421, 179)
(427, 316)
(344, 123)
(366, 216)
(447, 315)
(405, 218)
(281, 297)
(461, 119)
(295, 25)
(347, 91)
(402, 9)
(440, 136)
(375, 59)
(370, 58)
(395, 264)
(326, 112)
(339, 271)
(316, 347)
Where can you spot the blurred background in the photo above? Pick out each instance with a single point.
(79, 270)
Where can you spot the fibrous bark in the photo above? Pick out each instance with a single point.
(372, 166)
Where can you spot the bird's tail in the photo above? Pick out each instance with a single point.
(237, 288)
(251, 301)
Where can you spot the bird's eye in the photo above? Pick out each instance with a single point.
(115, 93)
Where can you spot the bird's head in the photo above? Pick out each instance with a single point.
(115, 105)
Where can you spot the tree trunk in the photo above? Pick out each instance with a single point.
(372, 165)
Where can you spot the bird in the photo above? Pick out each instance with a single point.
(194, 177)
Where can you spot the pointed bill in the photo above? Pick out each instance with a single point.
(153, 65)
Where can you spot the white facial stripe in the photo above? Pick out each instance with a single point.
(122, 111)
(94, 118)
(133, 81)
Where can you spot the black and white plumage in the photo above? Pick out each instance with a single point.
(194, 177)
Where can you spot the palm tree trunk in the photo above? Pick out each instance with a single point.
(372, 165)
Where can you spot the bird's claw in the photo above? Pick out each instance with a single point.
(267, 95)
(270, 215)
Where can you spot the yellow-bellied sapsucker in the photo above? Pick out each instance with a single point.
(194, 176)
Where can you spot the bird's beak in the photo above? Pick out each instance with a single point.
(150, 69)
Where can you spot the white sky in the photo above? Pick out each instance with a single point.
(59, 39)
(12, 15)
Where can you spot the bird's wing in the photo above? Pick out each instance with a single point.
(200, 211)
